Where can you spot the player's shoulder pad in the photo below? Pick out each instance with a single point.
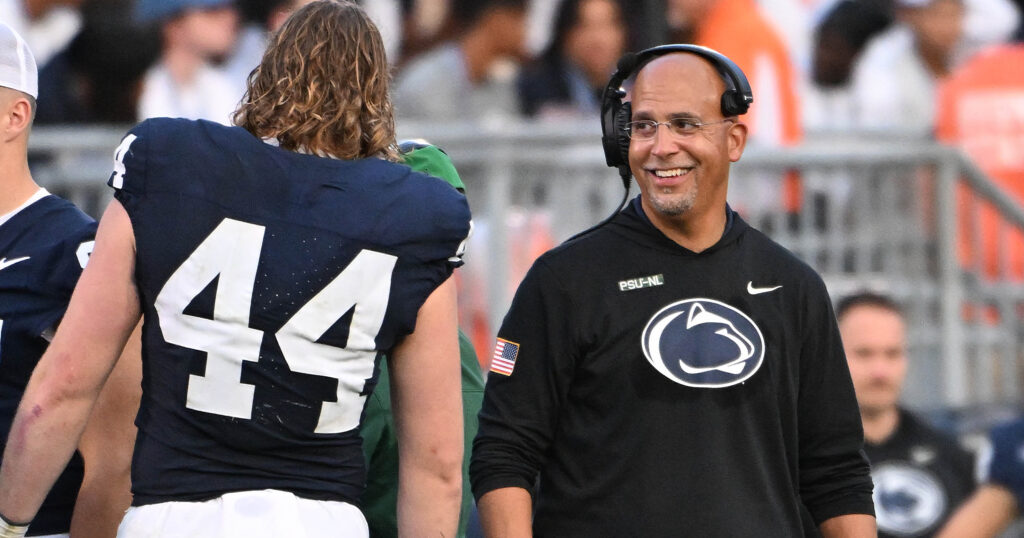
(130, 159)
(170, 135)
(64, 235)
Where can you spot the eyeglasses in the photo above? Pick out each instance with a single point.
(682, 127)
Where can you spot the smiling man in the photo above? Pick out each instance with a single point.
(714, 400)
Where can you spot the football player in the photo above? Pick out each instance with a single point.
(378, 428)
(273, 262)
(45, 242)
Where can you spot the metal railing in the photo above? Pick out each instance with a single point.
(878, 213)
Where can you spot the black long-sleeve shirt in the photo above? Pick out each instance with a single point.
(661, 392)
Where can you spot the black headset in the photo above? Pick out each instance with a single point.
(615, 112)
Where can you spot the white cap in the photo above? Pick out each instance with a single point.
(17, 65)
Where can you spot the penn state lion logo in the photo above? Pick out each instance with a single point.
(908, 500)
(703, 343)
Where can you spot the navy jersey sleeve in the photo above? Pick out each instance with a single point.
(128, 178)
(1007, 466)
(834, 472)
(520, 408)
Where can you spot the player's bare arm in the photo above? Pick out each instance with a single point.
(427, 400)
(106, 448)
(64, 386)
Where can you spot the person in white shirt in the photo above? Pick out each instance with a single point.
(46, 25)
(184, 83)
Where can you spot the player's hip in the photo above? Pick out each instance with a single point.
(249, 514)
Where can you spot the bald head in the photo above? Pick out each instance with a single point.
(666, 74)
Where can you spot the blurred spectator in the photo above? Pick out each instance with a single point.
(838, 42)
(894, 81)
(1018, 34)
(737, 29)
(387, 16)
(792, 19)
(846, 28)
(185, 83)
(261, 19)
(468, 78)
(920, 474)
(827, 100)
(569, 76)
(96, 78)
(425, 24)
(47, 25)
(981, 110)
(988, 22)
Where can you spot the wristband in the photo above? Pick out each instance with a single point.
(9, 529)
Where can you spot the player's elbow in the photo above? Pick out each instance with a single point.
(442, 467)
(56, 384)
(447, 466)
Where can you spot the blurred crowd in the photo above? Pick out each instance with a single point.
(814, 64)
(951, 70)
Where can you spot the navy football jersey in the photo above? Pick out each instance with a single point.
(271, 281)
(1006, 467)
(43, 249)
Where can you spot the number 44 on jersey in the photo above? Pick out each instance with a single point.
(232, 252)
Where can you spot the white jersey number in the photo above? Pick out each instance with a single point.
(230, 254)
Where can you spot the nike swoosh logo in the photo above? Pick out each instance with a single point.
(5, 263)
(757, 291)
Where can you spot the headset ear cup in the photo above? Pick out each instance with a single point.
(733, 104)
(622, 117)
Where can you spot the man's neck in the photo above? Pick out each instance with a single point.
(696, 232)
(880, 425)
(16, 184)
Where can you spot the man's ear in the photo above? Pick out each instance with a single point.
(17, 116)
(737, 140)
(21, 113)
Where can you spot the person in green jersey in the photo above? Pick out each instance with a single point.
(378, 431)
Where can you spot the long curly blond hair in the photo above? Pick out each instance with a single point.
(323, 86)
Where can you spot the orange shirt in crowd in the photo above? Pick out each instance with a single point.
(981, 110)
(738, 30)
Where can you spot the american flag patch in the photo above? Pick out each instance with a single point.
(504, 357)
